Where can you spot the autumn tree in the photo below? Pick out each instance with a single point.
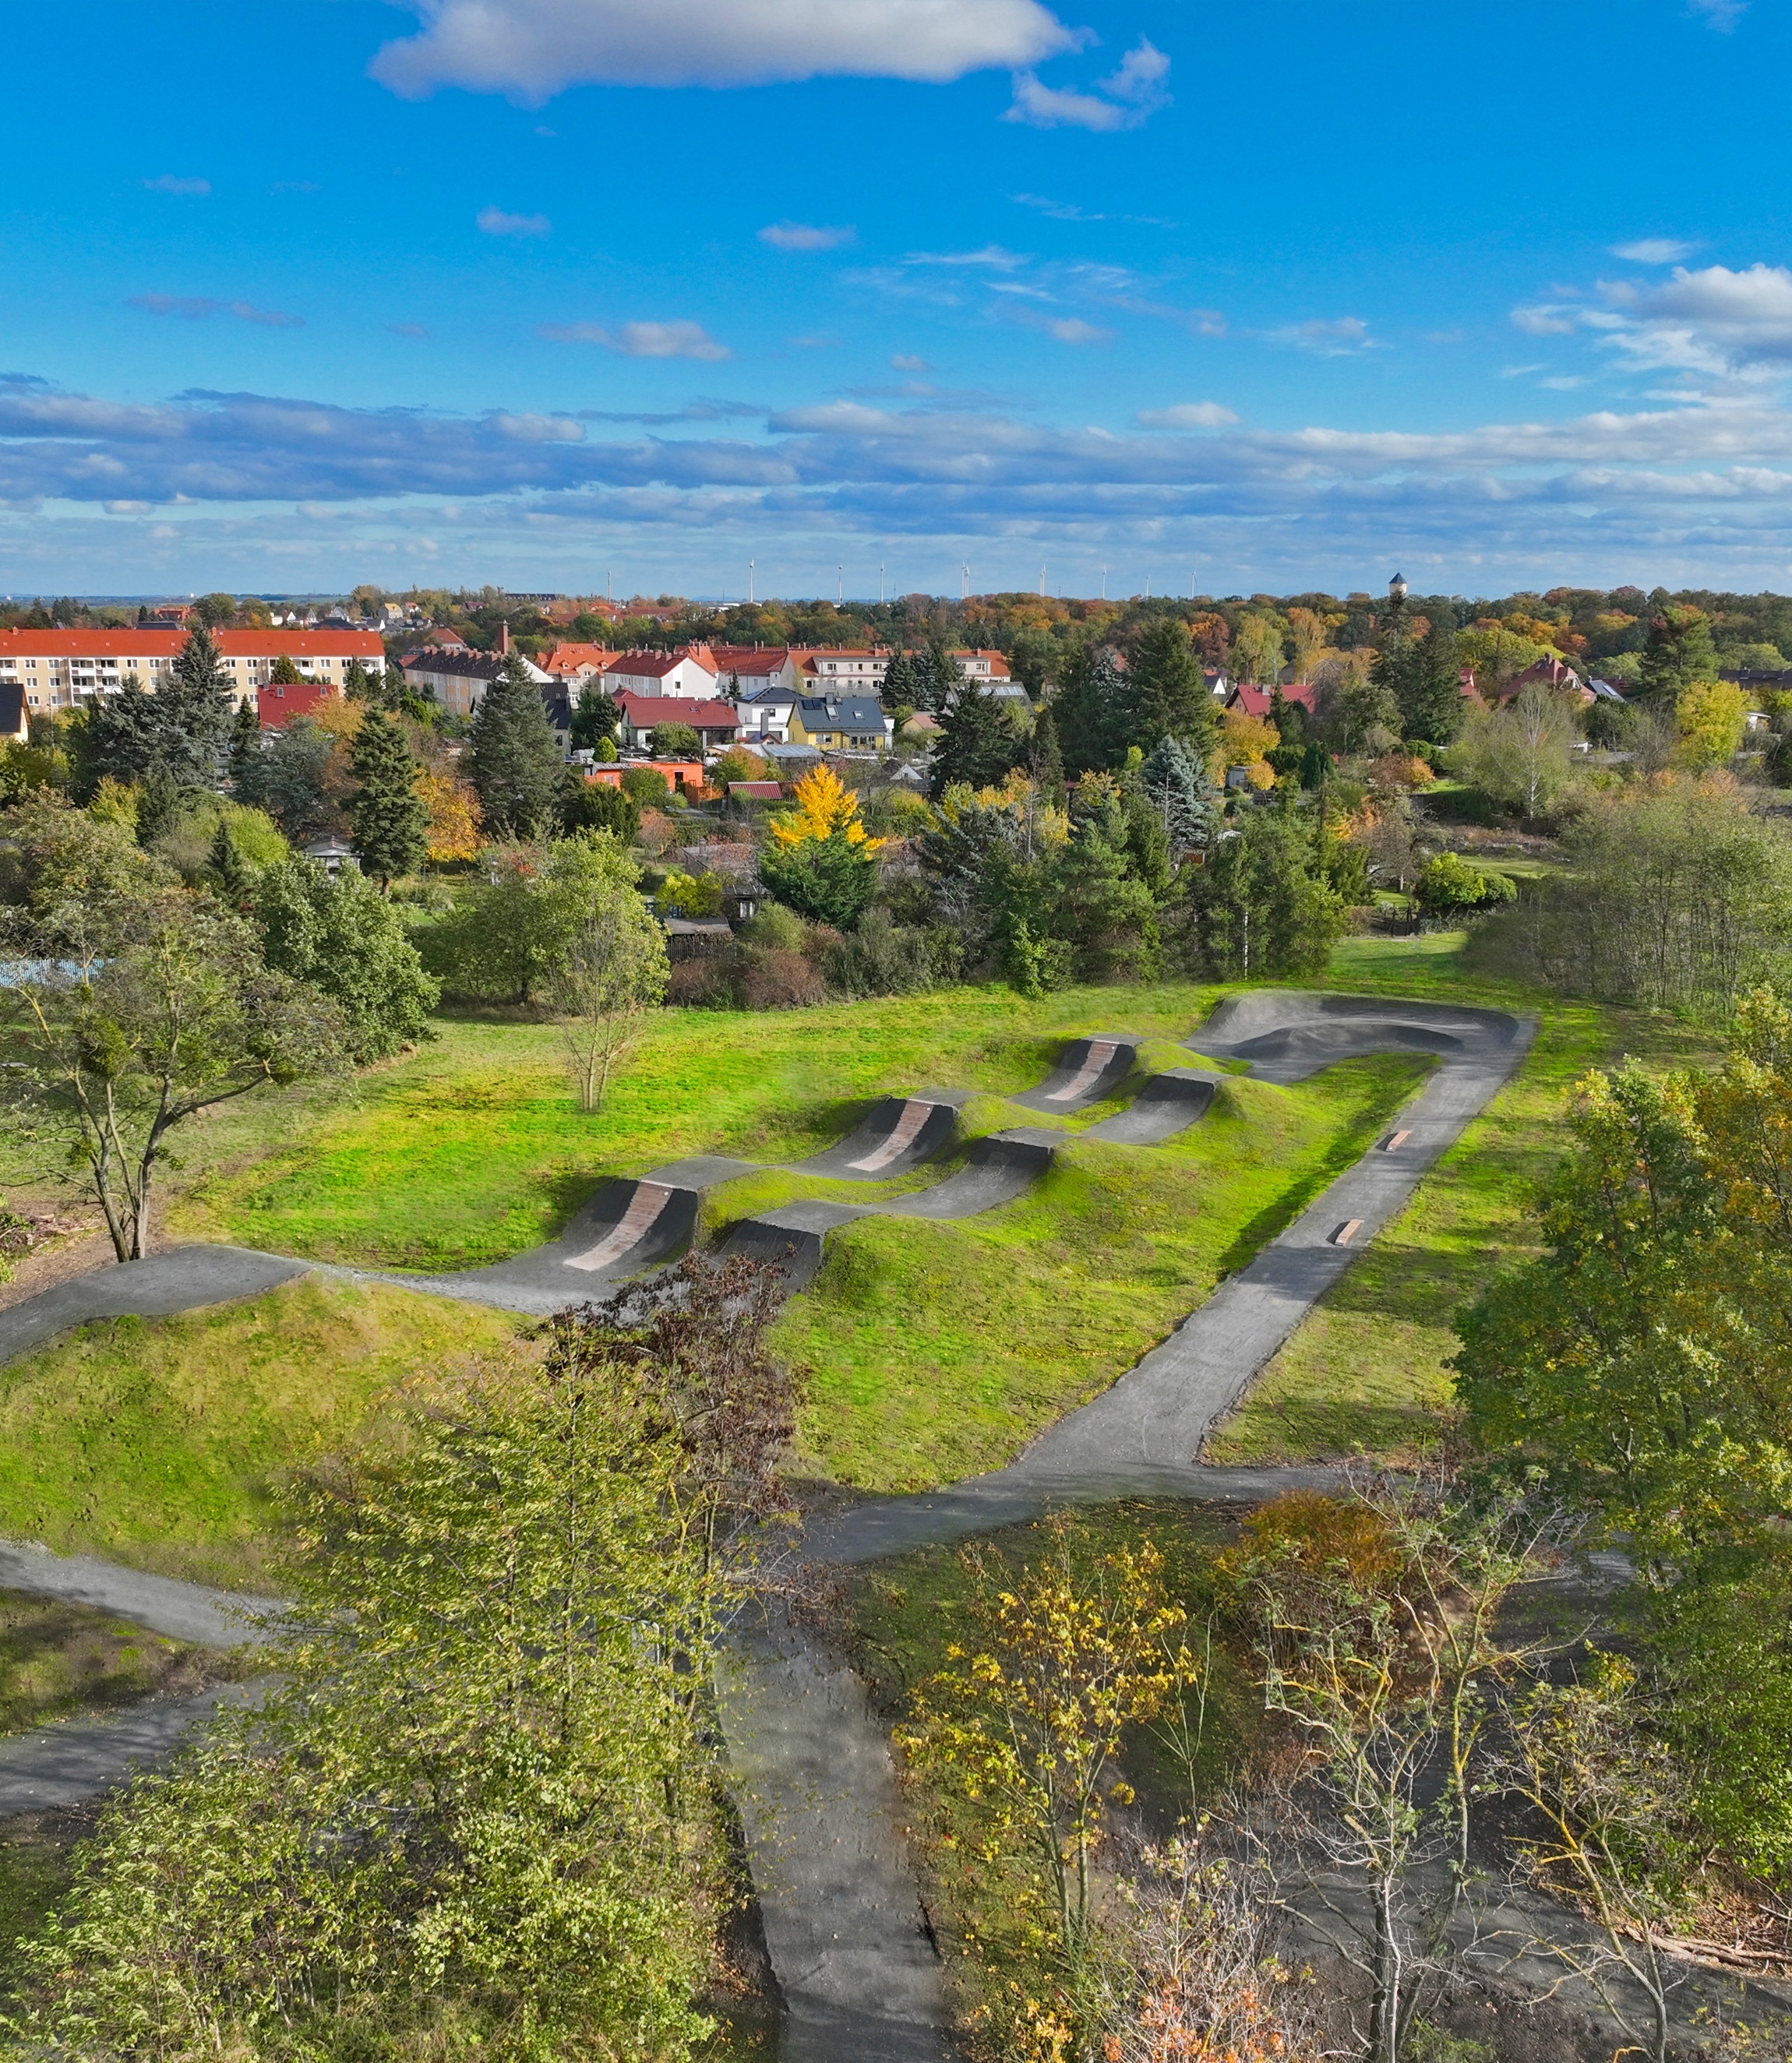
(1024, 1723)
(819, 860)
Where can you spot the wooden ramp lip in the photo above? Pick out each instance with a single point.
(1346, 1232)
(644, 1208)
(1394, 1141)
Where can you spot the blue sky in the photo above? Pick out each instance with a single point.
(547, 292)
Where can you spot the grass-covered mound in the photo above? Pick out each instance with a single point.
(473, 1148)
(154, 1441)
(938, 1350)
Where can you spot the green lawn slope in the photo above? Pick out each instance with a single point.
(154, 1441)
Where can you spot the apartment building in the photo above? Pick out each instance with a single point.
(68, 669)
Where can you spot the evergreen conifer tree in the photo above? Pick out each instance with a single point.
(1045, 758)
(1430, 692)
(196, 704)
(1167, 692)
(158, 805)
(229, 872)
(514, 758)
(899, 689)
(1679, 651)
(1177, 786)
(977, 746)
(245, 740)
(391, 818)
(596, 715)
(1090, 712)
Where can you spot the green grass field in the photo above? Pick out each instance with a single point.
(155, 1440)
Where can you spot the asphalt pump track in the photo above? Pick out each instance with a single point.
(848, 1939)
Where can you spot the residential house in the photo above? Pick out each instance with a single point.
(765, 718)
(716, 723)
(71, 669)
(678, 773)
(689, 670)
(580, 662)
(756, 668)
(458, 680)
(1258, 702)
(841, 723)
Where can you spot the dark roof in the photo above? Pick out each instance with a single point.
(473, 665)
(851, 712)
(13, 722)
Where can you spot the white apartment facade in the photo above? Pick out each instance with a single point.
(70, 669)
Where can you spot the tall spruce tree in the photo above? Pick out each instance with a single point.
(1177, 787)
(1430, 692)
(977, 746)
(1045, 758)
(196, 704)
(899, 689)
(1166, 692)
(391, 818)
(513, 756)
(229, 871)
(1090, 710)
(1679, 651)
(245, 740)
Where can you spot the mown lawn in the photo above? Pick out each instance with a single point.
(933, 1351)
(1368, 1371)
(155, 1440)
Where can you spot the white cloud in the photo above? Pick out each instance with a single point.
(168, 183)
(1186, 416)
(805, 236)
(992, 255)
(1546, 319)
(1722, 15)
(1072, 329)
(1653, 251)
(531, 49)
(195, 309)
(641, 339)
(1731, 326)
(904, 361)
(1341, 339)
(1125, 98)
(496, 223)
(539, 429)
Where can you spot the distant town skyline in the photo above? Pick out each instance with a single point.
(548, 291)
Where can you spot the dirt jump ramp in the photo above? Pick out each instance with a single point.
(1169, 1103)
(630, 1223)
(897, 1134)
(1087, 1070)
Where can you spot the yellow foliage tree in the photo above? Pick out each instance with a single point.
(825, 807)
(1711, 717)
(454, 820)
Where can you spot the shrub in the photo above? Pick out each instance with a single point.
(674, 741)
(594, 805)
(778, 981)
(344, 937)
(775, 928)
(645, 786)
(706, 982)
(879, 958)
(691, 895)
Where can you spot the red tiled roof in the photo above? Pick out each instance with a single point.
(653, 666)
(163, 644)
(644, 711)
(1258, 702)
(569, 658)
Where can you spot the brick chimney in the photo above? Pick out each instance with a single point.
(504, 637)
